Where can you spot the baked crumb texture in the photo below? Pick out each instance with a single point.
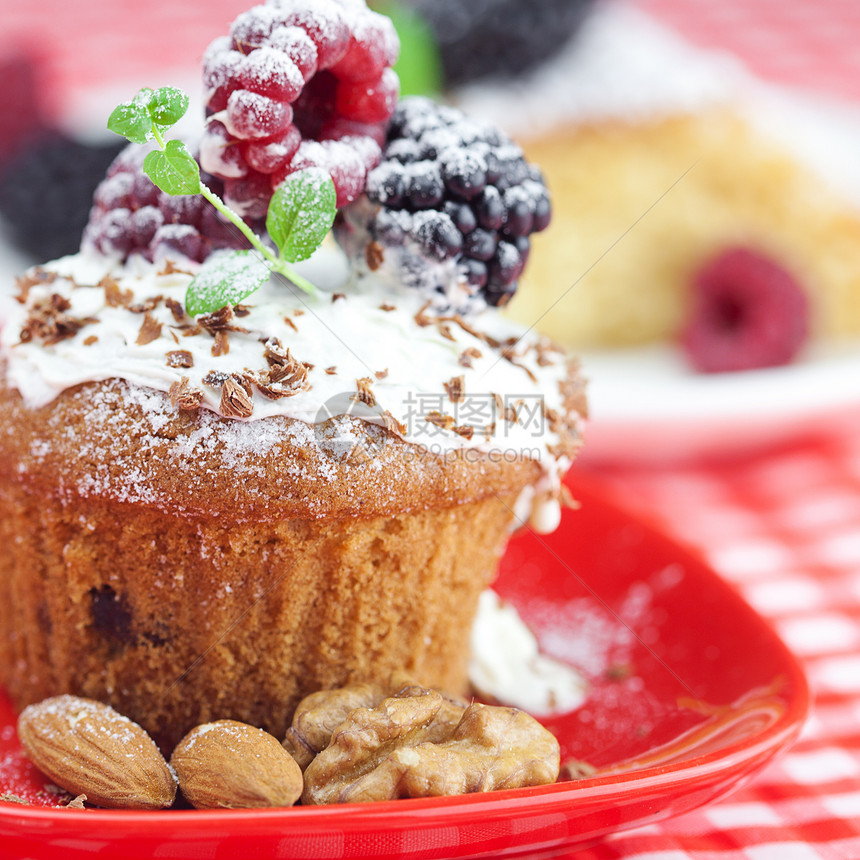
(184, 567)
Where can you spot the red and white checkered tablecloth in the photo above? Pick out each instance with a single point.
(785, 530)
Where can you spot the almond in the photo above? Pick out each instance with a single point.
(234, 765)
(89, 748)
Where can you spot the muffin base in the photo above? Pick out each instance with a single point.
(177, 620)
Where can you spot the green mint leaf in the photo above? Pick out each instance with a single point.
(420, 65)
(225, 279)
(132, 120)
(167, 106)
(173, 169)
(301, 213)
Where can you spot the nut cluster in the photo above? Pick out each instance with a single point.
(355, 744)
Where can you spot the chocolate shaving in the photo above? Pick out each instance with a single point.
(365, 392)
(147, 305)
(291, 324)
(510, 355)
(456, 389)
(241, 310)
(183, 396)
(392, 424)
(285, 375)
(180, 358)
(170, 268)
(49, 321)
(331, 371)
(176, 309)
(381, 374)
(221, 346)
(387, 307)
(468, 355)
(114, 296)
(445, 330)
(446, 422)
(298, 312)
(336, 296)
(470, 329)
(465, 430)
(422, 318)
(543, 348)
(150, 330)
(32, 279)
(13, 798)
(89, 341)
(215, 378)
(572, 390)
(566, 498)
(220, 320)
(236, 402)
(374, 255)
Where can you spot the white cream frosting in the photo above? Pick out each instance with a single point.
(507, 665)
(351, 330)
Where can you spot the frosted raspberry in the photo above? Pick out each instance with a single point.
(220, 154)
(368, 101)
(299, 47)
(250, 116)
(294, 72)
(270, 155)
(272, 73)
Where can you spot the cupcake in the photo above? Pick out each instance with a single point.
(212, 514)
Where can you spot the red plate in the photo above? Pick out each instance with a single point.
(692, 693)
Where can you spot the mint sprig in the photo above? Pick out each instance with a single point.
(301, 211)
(173, 169)
(226, 279)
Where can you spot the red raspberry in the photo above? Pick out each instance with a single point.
(369, 101)
(291, 73)
(251, 116)
(219, 153)
(747, 312)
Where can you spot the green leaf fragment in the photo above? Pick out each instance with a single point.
(173, 169)
(167, 106)
(132, 120)
(301, 213)
(225, 279)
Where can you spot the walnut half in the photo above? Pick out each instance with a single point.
(420, 743)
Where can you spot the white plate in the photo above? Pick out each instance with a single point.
(647, 406)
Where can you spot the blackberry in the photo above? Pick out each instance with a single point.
(298, 83)
(130, 215)
(498, 37)
(46, 192)
(455, 202)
